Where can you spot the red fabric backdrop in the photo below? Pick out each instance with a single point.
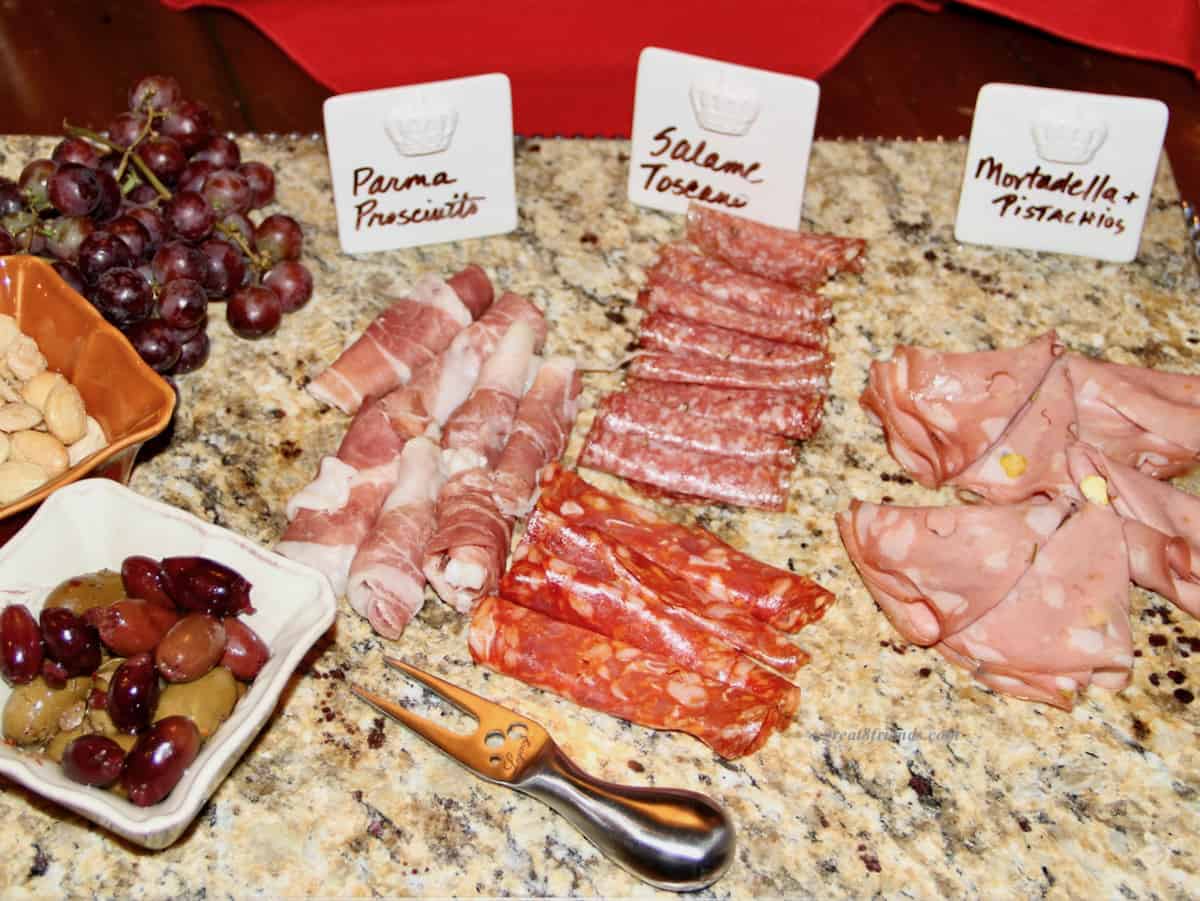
(573, 65)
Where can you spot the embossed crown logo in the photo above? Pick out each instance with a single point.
(421, 126)
(723, 105)
(1064, 135)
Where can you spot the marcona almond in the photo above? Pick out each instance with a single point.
(89, 444)
(9, 390)
(44, 450)
(38, 388)
(24, 358)
(5, 447)
(65, 414)
(8, 331)
(18, 478)
(15, 417)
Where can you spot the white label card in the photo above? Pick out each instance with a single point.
(713, 132)
(422, 164)
(1060, 170)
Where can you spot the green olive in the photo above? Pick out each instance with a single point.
(35, 712)
(59, 743)
(81, 593)
(206, 701)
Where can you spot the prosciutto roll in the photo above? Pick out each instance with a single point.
(673, 334)
(386, 584)
(440, 388)
(935, 570)
(407, 335)
(599, 556)
(1140, 417)
(679, 264)
(688, 303)
(712, 570)
(330, 518)
(466, 554)
(477, 431)
(560, 591)
(773, 412)
(941, 411)
(656, 366)
(619, 679)
(539, 434)
(799, 259)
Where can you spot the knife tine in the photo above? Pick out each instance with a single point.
(488, 713)
(459, 746)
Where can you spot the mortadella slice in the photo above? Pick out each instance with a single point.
(941, 411)
(386, 584)
(934, 570)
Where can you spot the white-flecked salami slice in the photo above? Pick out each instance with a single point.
(674, 334)
(658, 366)
(799, 259)
(681, 300)
(774, 412)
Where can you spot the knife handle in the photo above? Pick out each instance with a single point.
(671, 838)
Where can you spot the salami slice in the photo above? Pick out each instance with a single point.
(679, 264)
(559, 590)
(619, 679)
(713, 570)
(680, 300)
(602, 557)
(774, 412)
(656, 366)
(800, 259)
(674, 334)
(613, 447)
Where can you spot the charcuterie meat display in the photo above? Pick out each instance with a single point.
(732, 357)
(1029, 590)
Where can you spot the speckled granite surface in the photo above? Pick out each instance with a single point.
(901, 777)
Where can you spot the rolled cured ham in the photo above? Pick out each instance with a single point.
(935, 570)
(673, 334)
(539, 434)
(657, 366)
(619, 445)
(409, 334)
(330, 518)
(562, 592)
(800, 259)
(712, 569)
(466, 554)
(386, 584)
(619, 679)
(774, 412)
(601, 557)
(477, 431)
(679, 264)
(441, 388)
(941, 411)
(688, 303)
(1140, 417)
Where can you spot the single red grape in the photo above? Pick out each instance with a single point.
(35, 180)
(254, 311)
(261, 179)
(226, 267)
(154, 92)
(182, 304)
(177, 260)
(123, 296)
(189, 216)
(190, 123)
(76, 150)
(69, 273)
(152, 222)
(142, 194)
(193, 176)
(227, 192)
(164, 157)
(8, 244)
(155, 343)
(11, 199)
(74, 190)
(193, 353)
(135, 235)
(125, 128)
(221, 151)
(99, 252)
(66, 233)
(110, 197)
(292, 282)
(278, 237)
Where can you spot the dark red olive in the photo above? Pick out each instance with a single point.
(132, 626)
(54, 673)
(159, 759)
(70, 641)
(206, 586)
(192, 647)
(143, 578)
(20, 645)
(245, 653)
(133, 693)
(93, 760)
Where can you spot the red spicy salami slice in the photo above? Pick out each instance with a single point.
(680, 300)
(800, 259)
(656, 366)
(712, 569)
(776, 412)
(674, 334)
(561, 591)
(679, 264)
(619, 679)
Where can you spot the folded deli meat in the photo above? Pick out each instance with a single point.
(1029, 590)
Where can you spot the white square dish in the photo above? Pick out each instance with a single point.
(95, 524)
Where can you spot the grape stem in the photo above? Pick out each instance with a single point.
(77, 131)
(128, 154)
(256, 260)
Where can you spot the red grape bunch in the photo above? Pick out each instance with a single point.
(151, 223)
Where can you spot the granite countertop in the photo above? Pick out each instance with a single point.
(900, 777)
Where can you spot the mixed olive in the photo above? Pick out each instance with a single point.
(124, 675)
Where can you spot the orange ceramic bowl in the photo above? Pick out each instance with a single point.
(129, 399)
